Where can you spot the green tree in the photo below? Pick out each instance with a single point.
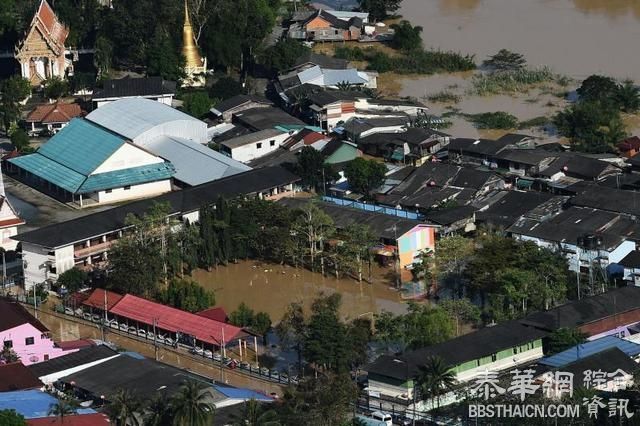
(158, 411)
(425, 326)
(13, 90)
(261, 324)
(210, 250)
(103, 57)
(598, 88)
(359, 239)
(225, 88)
(312, 170)
(494, 120)
(365, 175)
(591, 126)
(191, 406)
(8, 355)
(628, 97)
(564, 338)
(56, 88)
(11, 418)
(505, 60)
(73, 279)
(291, 330)
(187, 295)
(315, 227)
(406, 37)
(197, 104)
(242, 317)
(284, 54)
(223, 230)
(435, 379)
(137, 260)
(461, 310)
(123, 407)
(62, 409)
(163, 58)
(453, 256)
(256, 414)
(20, 140)
(379, 9)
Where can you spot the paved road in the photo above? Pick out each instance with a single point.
(66, 328)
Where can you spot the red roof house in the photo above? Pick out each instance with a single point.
(16, 376)
(52, 117)
(95, 419)
(630, 146)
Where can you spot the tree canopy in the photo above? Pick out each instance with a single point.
(365, 175)
(379, 9)
(406, 37)
(505, 60)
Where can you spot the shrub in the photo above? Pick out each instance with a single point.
(510, 81)
(494, 120)
(444, 96)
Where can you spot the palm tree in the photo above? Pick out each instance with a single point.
(158, 411)
(190, 406)
(255, 415)
(628, 97)
(435, 379)
(62, 408)
(123, 407)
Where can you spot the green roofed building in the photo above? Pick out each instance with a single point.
(88, 164)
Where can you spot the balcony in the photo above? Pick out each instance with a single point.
(93, 249)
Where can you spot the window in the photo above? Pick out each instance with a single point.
(259, 145)
(272, 143)
(127, 187)
(43, 336)
(494, 358)
(29, 341)
(46, 357)
(8, 343)
(108, 191)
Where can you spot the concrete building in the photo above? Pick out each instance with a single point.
(85, 241)
(253, 145)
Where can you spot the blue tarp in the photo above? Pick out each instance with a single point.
(240, 393)
(589, 348)
(31, 404)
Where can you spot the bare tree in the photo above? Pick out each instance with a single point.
(200, 12)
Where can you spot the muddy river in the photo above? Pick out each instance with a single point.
(271, 288)
(574, 37)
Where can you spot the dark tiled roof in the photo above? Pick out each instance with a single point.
(126, 87)
(472, 178)
(450, 216)
(75, 359)
(514, 138)
(323, 61)
(239, 100)
(608, 361)
(530, 157)
(603, 198)
(511, 206)
(186, 200)
(13, 315)
(578, 166)
(327, 97)
(632, 260)
(266, 118)
(587, 310)
(476, 146)
(16, 376)
(478, 344)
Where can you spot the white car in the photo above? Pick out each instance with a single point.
(133, 330)
(86, 316)
(208, 353)
(123, 327)
(114, 324)
(217, 357)
(68, 311)
(142, 333)
(169, 341)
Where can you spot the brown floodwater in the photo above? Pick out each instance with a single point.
(574, 37)
(271, 288)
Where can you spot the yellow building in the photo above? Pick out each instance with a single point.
(195, 66)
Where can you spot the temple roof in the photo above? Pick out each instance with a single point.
(54, 31)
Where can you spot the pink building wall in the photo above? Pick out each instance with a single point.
(42, 348)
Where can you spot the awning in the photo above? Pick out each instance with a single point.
(524, 183)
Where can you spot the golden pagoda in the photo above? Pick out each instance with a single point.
(195, 66)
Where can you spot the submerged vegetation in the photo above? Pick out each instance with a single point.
(493, 120)
(444, 96)
(507, 82)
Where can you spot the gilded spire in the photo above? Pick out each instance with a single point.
(189, 47)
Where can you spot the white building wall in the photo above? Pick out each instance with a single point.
(5, 238)
(64, 260)
(501, 364)
(36, 260)
(251, 151)
(126, 157)
(135, 191)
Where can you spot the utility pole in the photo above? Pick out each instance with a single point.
(155, 342)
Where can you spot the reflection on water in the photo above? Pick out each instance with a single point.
(574, 37)
(270, 288)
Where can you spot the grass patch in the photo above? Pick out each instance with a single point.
(419, 62)
(444, 96)
(510, 81)
(534, 122)
(493, 120)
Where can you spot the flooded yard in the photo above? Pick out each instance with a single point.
(271, 288)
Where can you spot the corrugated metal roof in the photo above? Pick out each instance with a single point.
(194, 163)
(310, 74)
(131, 117)
(130, 176)
(240, 393)
(31, 403)
(81, 146)
(252, 137)
(50, 171)
(589, 348)
(333, 77)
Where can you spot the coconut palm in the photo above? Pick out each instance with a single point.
(62, 409)
(255, 415)
(158, 411)
(123, 407)
(435, 379)
(628, 97)
(190, 406)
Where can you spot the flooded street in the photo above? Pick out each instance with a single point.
(574, 37)
(271, 288)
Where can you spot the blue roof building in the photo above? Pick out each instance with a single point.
(88, 163)
(587, 349)
(31, 404)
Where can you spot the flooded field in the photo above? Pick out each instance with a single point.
(270, 288)
(574, 37)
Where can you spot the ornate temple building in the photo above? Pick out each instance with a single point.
(195, 66)
(41, 53)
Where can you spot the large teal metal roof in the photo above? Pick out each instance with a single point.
(81, 146)
(50, 171)
(132, 176)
